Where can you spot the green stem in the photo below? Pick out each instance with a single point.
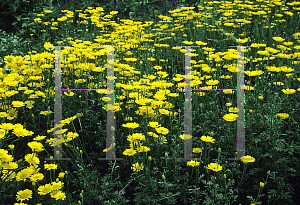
(244, 170)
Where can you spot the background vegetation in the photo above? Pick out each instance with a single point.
(271, 140)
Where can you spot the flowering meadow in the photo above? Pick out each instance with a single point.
(149, 108)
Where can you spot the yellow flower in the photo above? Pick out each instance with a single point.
(136, 167)
(35, 146)
(58, 194)
(157, 67)
(228, 104)
(162, 130)
(38, 138)
(32, 159)
(18, 104)
(188, 42)
(24, 174)
(200, 43)
(282, 115)
(61, 175)
(50, 166)
(261, 184)
(151, 59)
(193, 163)
(288, 91)
(131, 125)
(11, 146)
(207, 139)
(197, 150)
(215, 167)
(230, 117)
(36, 177)
(278, 39)
(242, 40)
(212, 82)
(57, 185)
(260, 97)
(129, 152)
(24, 195)
(43, 190)
(185, 136)
(233, 109)
(247, 159)
(12, 113)
(153, 124)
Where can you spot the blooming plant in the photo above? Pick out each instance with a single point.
(135, 147)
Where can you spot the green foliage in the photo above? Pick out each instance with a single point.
(11, 10)
(273, 142)
(11, 44)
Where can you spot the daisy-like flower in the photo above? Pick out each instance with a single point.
(43, 190)
(7, 126)
(23, 195)
(131, 125)
(200, 43)
(188, 42)
(153, 124)
(12, 113)
(135, 137)
(25, 173)
(32, 159)
(288, 91)
(18, 104)
(245, 40)
(61, 175)
(215, 167)
(185, 137)
(35, 146)
(212, 82)
(129, 152)
(192, 163)
(58, 194)
(50, 166)
(20, 132)
(247, 159)
(48, 11)
(207, 139)
(136, 167)
(38, 138)
(282, 115)
(197, 150)
(57, 185)
(162, 130)
(278, 39)
(230, 117)
(36, 177)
